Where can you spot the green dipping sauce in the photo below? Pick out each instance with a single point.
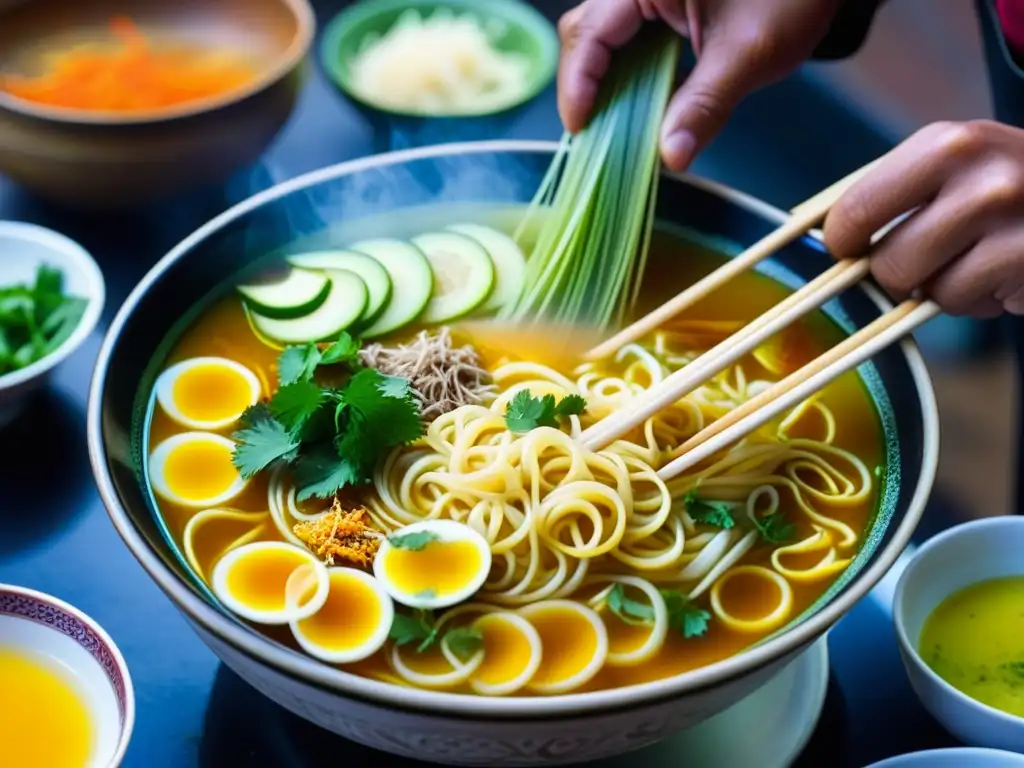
(974, 641)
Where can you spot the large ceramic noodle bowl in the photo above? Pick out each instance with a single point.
(407, 542)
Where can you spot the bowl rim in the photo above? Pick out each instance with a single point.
(910, 653)
(90, 270)
(292, 56)
(897, 760)
(128, 717)
(256, 647)
(538, 27)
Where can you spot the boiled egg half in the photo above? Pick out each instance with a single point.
(194, 469)
(207, 392)
(271, 582)
(512, 653)
(352, 624)
(433, 563)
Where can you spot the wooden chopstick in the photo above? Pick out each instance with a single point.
(680, 383)
(798, 386)
(804, 218)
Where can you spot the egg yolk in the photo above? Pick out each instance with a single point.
(507, 651)
(349, 618)
(260, 578)
(441, 567)
(211, 393)
(569, 643)
(200, 469)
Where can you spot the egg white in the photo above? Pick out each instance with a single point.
(290, 613)
(158, 470)
(600, 653)
(165, 382)
(447, 531)
(372, 644)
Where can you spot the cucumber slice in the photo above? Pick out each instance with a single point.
(378, 283)
(509, 263)
(297, 292)
(463, 274)
(343, 306)
(412, 282)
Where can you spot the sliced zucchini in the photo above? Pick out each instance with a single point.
(412, 282)
(509, 263)
(342, 308)
(295, 293)
(463, 274)
(378, 283)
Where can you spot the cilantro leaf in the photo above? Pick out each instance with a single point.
(708, 511)
(261, 442)
(414, 541)
(526, 412)
(36, 318)
(684, 616)
(629, 610)
(774, 529)
(412, 629)
(296, 403)
(60, 323)
(297, 364)
(571, 405)
(344, 350)
(464, 642)
(386, 403)
(321, 472)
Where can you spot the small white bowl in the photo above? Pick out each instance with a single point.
(23, 247)
(961, 757)
(967, 554)
(44, 625)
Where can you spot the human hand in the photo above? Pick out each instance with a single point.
(964, 244)
(741, 45)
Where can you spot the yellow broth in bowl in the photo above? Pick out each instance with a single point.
(587, 549)
(974, 641)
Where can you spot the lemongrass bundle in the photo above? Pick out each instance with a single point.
(594, 210)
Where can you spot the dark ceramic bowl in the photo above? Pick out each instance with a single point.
(396, 195)
(526, 32)
(104, 160)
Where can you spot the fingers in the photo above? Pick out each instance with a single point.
(909, 176)
(590, 32)
(987, 279)
(722, 76)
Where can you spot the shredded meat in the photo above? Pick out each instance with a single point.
(339, 536)
(442, 375)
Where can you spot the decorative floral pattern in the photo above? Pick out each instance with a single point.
(33, 609)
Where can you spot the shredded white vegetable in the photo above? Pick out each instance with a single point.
(440, 65)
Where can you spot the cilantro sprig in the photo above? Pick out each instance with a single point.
(331, 437)
(36, 318)
(527, 412)
(684, 616)
(774, 528)
(414, 541)
(420, 628)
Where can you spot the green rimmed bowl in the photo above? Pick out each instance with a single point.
(395, 195)
(524, 30)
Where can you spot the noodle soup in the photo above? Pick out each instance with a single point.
(483, 549)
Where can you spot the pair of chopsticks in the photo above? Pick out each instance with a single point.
(784, 394)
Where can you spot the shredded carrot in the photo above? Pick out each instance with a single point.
(131, 74)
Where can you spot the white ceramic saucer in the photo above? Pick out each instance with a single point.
(776, 721)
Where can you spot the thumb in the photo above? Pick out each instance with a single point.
(700, 108)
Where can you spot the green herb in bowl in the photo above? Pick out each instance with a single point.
(36, 318)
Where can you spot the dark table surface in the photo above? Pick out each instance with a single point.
(55, 535)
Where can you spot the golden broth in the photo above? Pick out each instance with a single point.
(43, 718)
(507, 651)
(224, 331)
(974, 641)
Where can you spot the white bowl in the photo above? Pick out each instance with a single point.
(23, 247)
(962, 757)
(964, 555)
(44, 625)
